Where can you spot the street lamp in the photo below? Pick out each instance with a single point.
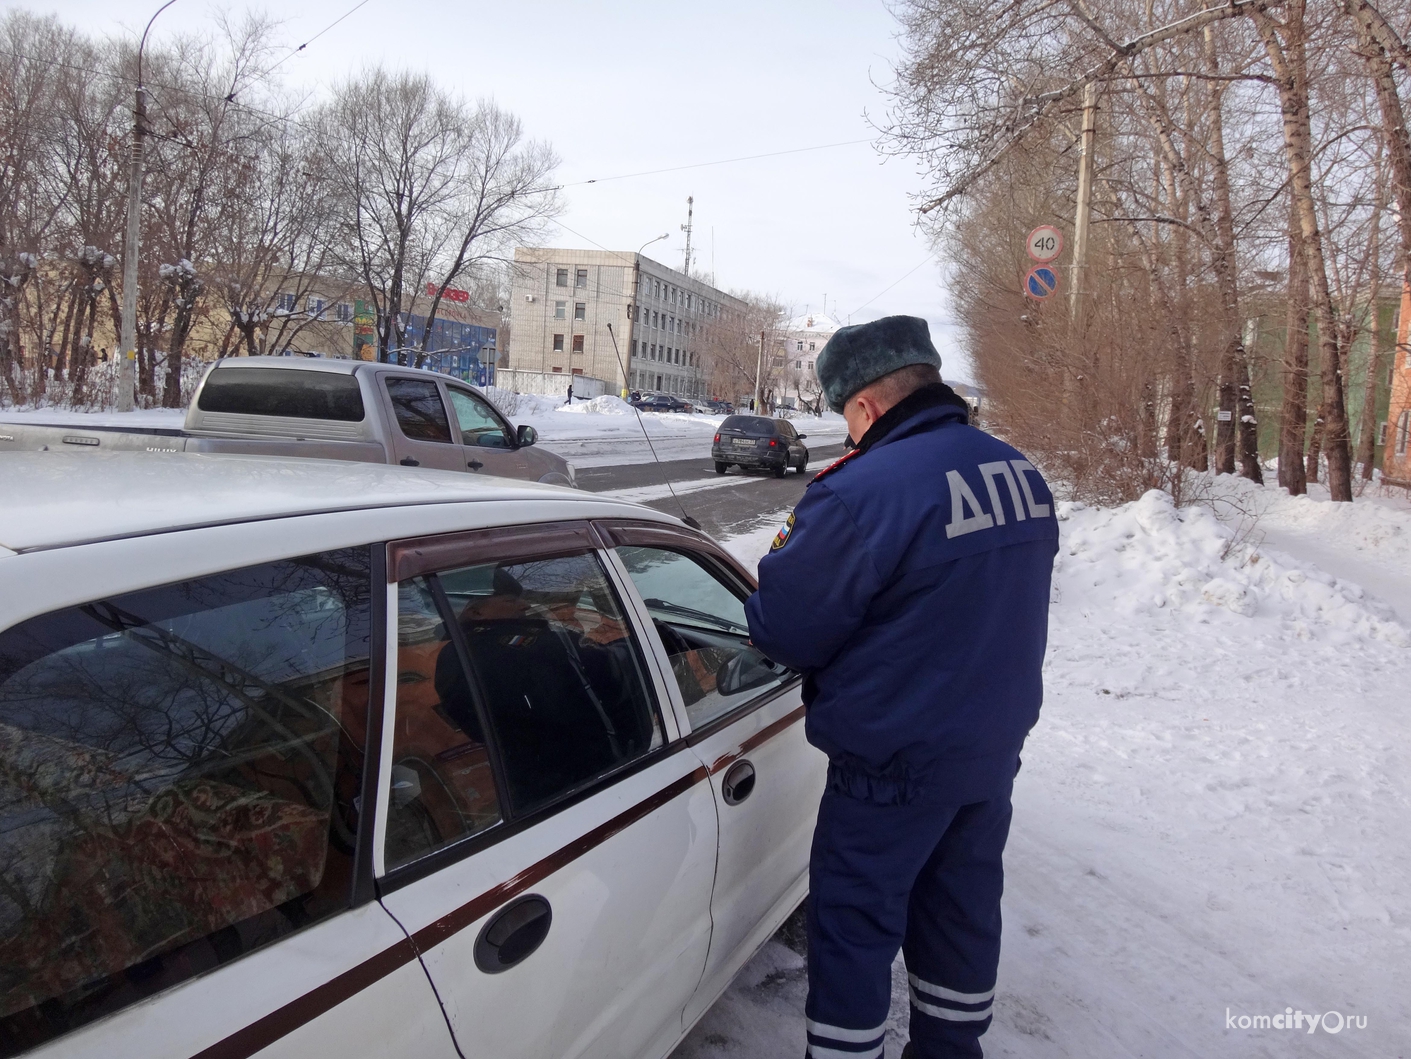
(127, 365)
(636, 293)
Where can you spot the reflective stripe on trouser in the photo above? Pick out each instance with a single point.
(839, 1042)
(926, 879)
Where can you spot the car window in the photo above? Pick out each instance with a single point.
(301, 394)
(443, 787)
(702, 624)
(418, 408)
(541, 652)
(755, 426)
(478, 425)
(786, 429)
(179, 770)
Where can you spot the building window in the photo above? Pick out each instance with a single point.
(557, 368)
(800, 345)
(561, 278)
(284, 303)
(1403, 431)
(656, 288)
(1382, 433)
(811, 347)
(558, 343)
(316, 307)
(343, 313)
(580, 278)
(634, 347)
(580, 311)
(560, 310)
(578, 343)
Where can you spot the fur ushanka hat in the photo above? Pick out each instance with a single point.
(861, 354)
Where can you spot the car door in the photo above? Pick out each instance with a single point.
(549, 840)
(421, 435)
(184, 867)
(490, 444)
(745, 720)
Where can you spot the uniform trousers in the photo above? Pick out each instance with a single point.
(926, 879)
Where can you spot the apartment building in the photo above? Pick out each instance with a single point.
(663, 320)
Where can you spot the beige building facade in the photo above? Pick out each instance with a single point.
(564, 301)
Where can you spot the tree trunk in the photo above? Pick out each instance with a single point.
(1315, 446)
(1367, 435)
(1293, 417)
(1248, 426)
(1290, 72)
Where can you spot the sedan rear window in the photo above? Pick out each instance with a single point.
(283, 392)
(755, 426)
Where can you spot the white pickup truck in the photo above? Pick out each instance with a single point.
(324, 409)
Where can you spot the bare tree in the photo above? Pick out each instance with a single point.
(395, 143)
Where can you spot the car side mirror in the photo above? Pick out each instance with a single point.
(802, 436)
(526, 435)
(746, 671)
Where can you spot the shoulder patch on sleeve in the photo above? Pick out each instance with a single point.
(834, 465)
(782, 537)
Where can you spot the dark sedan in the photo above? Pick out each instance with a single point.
(759, 443)
(661, 402)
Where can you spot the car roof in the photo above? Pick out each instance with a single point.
(329, 364)
(57, 499)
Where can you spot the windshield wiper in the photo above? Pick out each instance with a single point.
(688, 612)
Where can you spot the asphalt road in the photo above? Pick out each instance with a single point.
(724, 506)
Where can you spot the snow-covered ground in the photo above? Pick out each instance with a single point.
(604, 431)
(1213, 821)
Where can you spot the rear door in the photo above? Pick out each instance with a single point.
(184, 867)
(745, 719)
(549, 841)
(421, 429)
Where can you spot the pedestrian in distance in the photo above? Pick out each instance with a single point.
(570, 394)
(910, 586)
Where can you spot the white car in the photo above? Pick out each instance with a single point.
(313, 759)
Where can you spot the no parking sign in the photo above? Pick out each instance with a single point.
(1040, 282)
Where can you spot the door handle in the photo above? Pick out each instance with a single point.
(475, 465)
(739, 783)
(407, 461)
(513, 934)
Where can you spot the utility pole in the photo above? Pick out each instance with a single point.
(127, 363)
(759, 377)
(1077, 292)
(690, 213)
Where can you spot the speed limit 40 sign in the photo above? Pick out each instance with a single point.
(1045, 243)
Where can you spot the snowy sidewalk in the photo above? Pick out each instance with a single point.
(1212, 819)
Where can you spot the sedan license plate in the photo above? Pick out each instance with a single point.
(742, 443)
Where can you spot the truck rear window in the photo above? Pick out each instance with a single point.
(282, 392)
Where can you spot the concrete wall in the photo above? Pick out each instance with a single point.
(553, 384)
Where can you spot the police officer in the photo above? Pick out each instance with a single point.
(911, 587)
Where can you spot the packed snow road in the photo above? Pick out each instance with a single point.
(1209, 852)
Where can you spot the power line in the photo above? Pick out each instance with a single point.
(316, 36)
(884, 290)
(720, 161)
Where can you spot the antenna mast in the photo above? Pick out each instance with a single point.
(690, 212)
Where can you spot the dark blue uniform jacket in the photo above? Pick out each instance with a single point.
(911, 587)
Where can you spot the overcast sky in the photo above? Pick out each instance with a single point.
(624, 87)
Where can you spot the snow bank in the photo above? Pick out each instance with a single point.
(1148, 556)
